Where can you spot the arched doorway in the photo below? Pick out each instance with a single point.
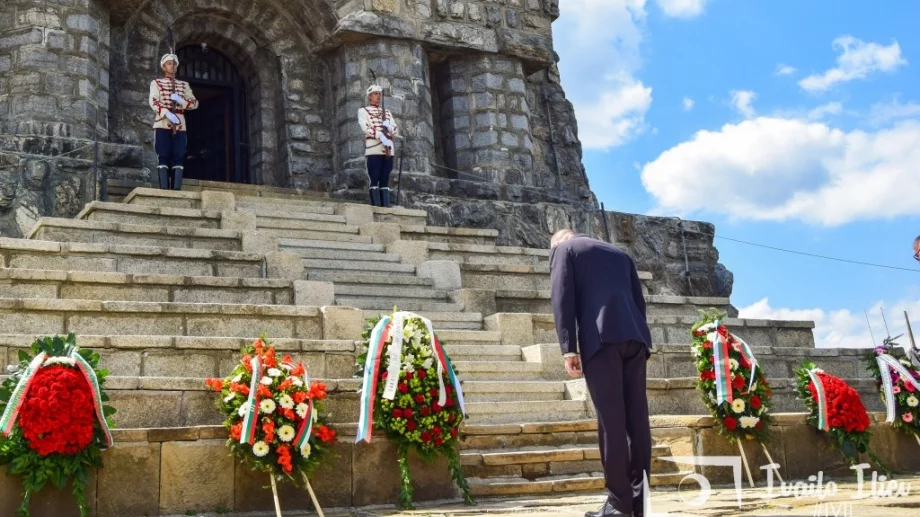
(218, 136)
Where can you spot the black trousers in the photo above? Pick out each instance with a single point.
(379, 168)
(616, 380)
(171, 148)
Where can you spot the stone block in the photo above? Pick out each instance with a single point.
(807, 451)
(259, 242)
(217, 201)
(316, 294)
(476, 300)
(356, 215)
(445, 274)
(146, 408)
(431, 481)
(50, 502)
(382, 233)
(233, 220)
(342, 323)
(281, 264)
(410, 252)
(515, 329)
(196, 476)
(332, 481)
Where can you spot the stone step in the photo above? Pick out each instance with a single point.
(483, 352)
(469, 337)
(442, 321)
(70, 230)
(279, 223)
(270, 213)
(404, 304)
(149, 215)
(87, 285)
(290, 205)
(294, 245)
(359, 265)
(318, 235)
(513, 277)
(194, 356)
(486, 254)
(538, 301)
(499, 370)
(358, 278)
(78, 256)
(44, 317)
(507, 391)
(448, 235)
(163, 198)
(519, 411)
(594, 482)
(345, 255)
(387, 291)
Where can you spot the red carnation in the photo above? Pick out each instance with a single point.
(426, 437)
(58, 415)
(408, 412)
(397, 413)
(437, 431)
(453, 432)
(420, 399)
(730, 423)
(449, 402)
(451, 418)
(420, 374)
(403, 387)
(707, 345)
(436, 407)
(759, 425)
(433, 392)
(408, 376)
(438, 442)
(738, 382)
(425, 411)
(411, 425)
(756, 402)
(448, 389)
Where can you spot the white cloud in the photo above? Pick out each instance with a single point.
(857, 60)
(783, 69)
(843, 328)
(821, 112)
(885, 112)
(616, 117)
(791, 169)
(688, 104)
(741, 101)
(682, 8)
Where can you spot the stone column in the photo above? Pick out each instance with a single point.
(485, 119)
(402, 70)
(54, 60)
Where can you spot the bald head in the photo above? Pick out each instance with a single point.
(561, 236)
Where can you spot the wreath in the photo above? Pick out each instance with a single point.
(731, 383)
(898, 382)
(54, 422)
(836, 409)
(412, 393)
(274, 414)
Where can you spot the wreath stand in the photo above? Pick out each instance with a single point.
(306, 481)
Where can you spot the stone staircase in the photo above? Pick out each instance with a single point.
(167, 286)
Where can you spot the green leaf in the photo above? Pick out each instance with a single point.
(24, 357)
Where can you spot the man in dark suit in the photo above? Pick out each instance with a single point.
(599, 310)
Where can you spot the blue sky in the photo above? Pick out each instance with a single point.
(788, 123)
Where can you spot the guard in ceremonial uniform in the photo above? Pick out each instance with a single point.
(170, 99)
(379, 128)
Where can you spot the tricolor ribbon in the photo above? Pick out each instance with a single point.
(14, 406)
(823, 424)
(251, 418)
(722, 362)
(393, 327)
(306, 427)
(885, 364)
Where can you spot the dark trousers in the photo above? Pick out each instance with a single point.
(616, 380)
(170, 151)
(379, 168)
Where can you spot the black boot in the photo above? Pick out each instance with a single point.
(177, 177)
(163, 171)
(385, 197)
(375, 196)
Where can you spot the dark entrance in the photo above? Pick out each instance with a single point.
(218, 133)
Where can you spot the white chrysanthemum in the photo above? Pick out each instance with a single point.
(238, 378)
(244, 408)
(748, 422)
(287, 367)
(305, 450)
(734, 364)
(707, 327)
(302, 409)
(266, 381)
(66, 361)
(286, 402)
(230, 397)
(428, 363)
(260, 449)
(286, 433)
(912, 401)
(267, 406)
(738, 406)
(297, 382)
(274, 372)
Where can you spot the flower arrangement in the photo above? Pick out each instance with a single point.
(54, 422)
(731, 383)
(412, 393)
(836, 409)
(274, 414)
(898, 382)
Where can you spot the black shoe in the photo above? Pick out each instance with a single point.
(385, 197)
(375, 196)
(606, 510)
(163, 171)
(177, 178)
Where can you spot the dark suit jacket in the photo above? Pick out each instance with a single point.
(596, 296)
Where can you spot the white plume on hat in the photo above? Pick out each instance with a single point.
(374, 88)
(169, 57)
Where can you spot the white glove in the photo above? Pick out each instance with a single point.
(385, 141)
(172, 117)
(388, 125)
(176, 98)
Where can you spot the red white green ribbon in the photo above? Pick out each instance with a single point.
(454, 381)
(886, 363)
(306, 427)
(251, 419)
(11, 413)
(722, 361)
(377, 343)
(823, 423)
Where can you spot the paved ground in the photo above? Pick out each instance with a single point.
(722, 502)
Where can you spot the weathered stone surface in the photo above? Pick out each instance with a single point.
(129, 483)
(197, 476)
